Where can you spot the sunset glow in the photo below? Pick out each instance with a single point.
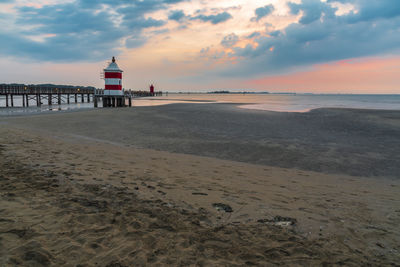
(370, 76)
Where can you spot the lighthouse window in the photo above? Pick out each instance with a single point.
(119, 82)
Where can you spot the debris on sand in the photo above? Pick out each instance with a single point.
(222, 206)
(279, 221)
(199, 194)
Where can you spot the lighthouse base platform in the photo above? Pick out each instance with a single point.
(114, 101)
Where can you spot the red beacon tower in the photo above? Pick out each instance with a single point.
(152, 89)
(113, 93)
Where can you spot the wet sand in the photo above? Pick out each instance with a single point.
(76, 190)
(342, 141)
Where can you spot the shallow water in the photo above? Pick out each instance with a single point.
(304, 103)
(290, 103)
(272, 102)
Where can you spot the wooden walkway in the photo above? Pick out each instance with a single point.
(41, 94)
(62, 94)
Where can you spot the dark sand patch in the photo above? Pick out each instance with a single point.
(343, 141)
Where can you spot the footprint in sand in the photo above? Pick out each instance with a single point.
(199, 194)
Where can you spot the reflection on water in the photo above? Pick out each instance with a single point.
(296, 103)
(159, 101)
(304, 103)
(18, 108)
(272, 102)
(43, 109)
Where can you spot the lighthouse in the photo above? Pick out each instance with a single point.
(113, 79)
(113, 93)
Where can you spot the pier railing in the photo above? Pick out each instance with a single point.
(22, 89)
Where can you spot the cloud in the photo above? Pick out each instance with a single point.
(60, 48)
(368, 10)
(92, 30)
(80, 30)
(262, 12)
(214, 19)
(275, 33)
(312, 10)
(176, 15)
(135, 41)
(320, 36)
(229, 40)
(64, 19)
(253, 35)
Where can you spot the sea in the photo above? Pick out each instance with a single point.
(270, 102)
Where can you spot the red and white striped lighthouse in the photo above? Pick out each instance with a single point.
(113, 79)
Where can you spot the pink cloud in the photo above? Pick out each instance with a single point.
(373, 75)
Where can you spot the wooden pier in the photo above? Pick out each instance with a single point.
(49, 94)
(45, 94)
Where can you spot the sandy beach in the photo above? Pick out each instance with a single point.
(200, 185)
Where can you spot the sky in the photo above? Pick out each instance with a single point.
(312, 46)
